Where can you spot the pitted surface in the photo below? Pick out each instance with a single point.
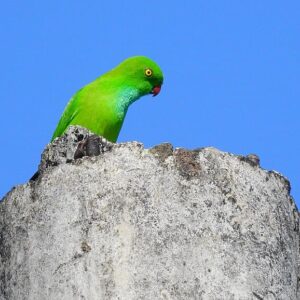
(133, 223)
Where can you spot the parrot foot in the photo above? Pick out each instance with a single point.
(88, 147)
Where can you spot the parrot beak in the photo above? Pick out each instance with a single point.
(156, 90)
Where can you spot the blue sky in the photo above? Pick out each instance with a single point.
(232, 71)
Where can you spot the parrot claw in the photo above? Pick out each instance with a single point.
(88, 147)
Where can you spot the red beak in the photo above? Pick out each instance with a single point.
(156, 90)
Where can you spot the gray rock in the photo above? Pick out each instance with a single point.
(126, 222)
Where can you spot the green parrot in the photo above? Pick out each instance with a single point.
(101, 106)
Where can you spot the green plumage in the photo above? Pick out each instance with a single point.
(101, 106)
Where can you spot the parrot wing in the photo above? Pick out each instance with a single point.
(68, 115)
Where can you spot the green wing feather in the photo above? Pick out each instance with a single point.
(92, 107)
(67, 117)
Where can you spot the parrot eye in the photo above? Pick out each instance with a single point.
(148, 72)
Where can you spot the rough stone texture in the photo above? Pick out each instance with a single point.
(135, 223)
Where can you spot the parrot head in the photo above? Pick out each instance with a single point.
(141, 73)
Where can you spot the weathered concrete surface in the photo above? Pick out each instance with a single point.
(133, 223)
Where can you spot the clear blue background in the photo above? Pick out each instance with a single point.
(232, 71)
